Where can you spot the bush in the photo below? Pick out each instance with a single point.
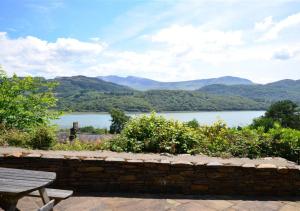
(155, 134)
(193, 123)
(43, 137)
(77, 146)
(118, 120)
(14, 137)
(92, 130)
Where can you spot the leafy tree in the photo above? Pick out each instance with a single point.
(193, 123)
(119, 120)
(266, 123)
(285, 112)
(25, 102)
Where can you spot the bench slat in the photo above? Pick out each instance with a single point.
(54, 193)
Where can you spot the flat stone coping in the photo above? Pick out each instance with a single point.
(164, 158)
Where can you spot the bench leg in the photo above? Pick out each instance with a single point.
(44, 195)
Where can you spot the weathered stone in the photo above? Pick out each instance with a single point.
(135, 161)
(248, 165)
(215, 163)
(34, 155)
(52, 156)
(127, 178)
(198, 187)
(91, 169)
(175, 163)
(165, 161)
(15, 154)
(151, 161)
(159, 175)
(266, 166)
(200, 163)
(282, 169)
(73, 158)
(111, 159)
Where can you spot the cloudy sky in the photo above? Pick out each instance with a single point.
(166, 40)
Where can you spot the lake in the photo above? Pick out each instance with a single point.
(102, 120)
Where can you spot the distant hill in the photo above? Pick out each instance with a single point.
(80, 93)
(280, 90)
(158, 100)
(78, 84)
(148, 84)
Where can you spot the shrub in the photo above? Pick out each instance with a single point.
(17, 138)
(92, 130)
(43, 137)
(77, 146)
(118, 121)
(155, 134)
(193, 123)
(13, 137)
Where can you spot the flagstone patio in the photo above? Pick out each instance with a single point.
(166, 202)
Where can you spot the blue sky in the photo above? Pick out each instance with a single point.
(166, 40)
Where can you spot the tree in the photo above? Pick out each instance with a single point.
(193, 123)
(283, 112)
(25, 102)
(119, 120)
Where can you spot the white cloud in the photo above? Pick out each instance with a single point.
(38, 57)
(188, 36)
(264, 24)
(273, 32)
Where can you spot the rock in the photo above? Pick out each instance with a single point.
(112, 159)
(266, 166)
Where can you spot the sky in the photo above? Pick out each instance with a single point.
(165, 40)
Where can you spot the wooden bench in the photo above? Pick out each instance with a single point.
(55, 194)
(47, 207)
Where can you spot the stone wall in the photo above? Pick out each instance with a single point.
(83, 173)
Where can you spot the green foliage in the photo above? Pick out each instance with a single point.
(42, 137)
(268, 93)
(78, 146)
(81, 93)
(25, 102)
(285, 112)
(92, 130)
(14, 137)
(193, 123)
(118, 120)
(156, 134)
(263, 122)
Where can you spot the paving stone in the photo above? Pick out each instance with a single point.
(289, 207)
(216, 204)
(192, 206)
(160, 203)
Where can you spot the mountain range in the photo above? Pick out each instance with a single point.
(80, 93)
(148, 84)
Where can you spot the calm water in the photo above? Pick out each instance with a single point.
(102, 120)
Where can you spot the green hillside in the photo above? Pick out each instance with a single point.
(81, 84)
(80, 93)
(280, 90)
